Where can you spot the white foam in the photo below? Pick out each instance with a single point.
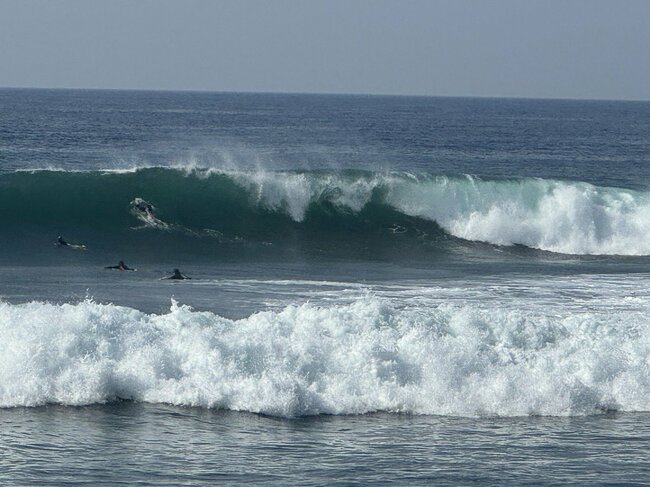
(558, 216)
(450, 359)
(565, 217)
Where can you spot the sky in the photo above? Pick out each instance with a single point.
(517, 48)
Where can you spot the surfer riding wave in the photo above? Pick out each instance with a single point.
(146, 213)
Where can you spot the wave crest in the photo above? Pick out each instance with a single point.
(558, 216)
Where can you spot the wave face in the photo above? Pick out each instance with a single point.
(550, 215)
(347, 359)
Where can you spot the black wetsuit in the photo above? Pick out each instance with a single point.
(145, 208)
(121, 266)
(177, 276)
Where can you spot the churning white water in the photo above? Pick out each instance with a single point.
(397, 351)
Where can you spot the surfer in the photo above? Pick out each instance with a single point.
(146, 209)
(177, 275)
(62, 243)
(121, 266)
(146, 213)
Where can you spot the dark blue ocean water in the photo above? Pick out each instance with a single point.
(401, 290)
(602, 142)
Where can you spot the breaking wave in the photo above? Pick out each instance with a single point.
(551, 215)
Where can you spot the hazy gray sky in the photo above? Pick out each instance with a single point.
(549, 48)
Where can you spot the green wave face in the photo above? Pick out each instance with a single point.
(339, 213)
(204, 214)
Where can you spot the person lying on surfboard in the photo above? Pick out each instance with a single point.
(121, 266)
(177, 276)
(62, 243)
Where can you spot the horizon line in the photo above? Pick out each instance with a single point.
(321, 93)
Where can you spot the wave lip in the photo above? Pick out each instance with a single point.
(557, 216)
(347, 359)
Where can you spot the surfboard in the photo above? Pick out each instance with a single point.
(71, 246)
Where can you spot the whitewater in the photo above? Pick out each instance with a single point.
(558, 216)
(440, 351)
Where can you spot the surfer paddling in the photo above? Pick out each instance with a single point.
(177, 275)
(60, 242)
(121, 266)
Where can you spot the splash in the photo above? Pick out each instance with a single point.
(356, 358)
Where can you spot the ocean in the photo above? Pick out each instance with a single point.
(384, 290)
